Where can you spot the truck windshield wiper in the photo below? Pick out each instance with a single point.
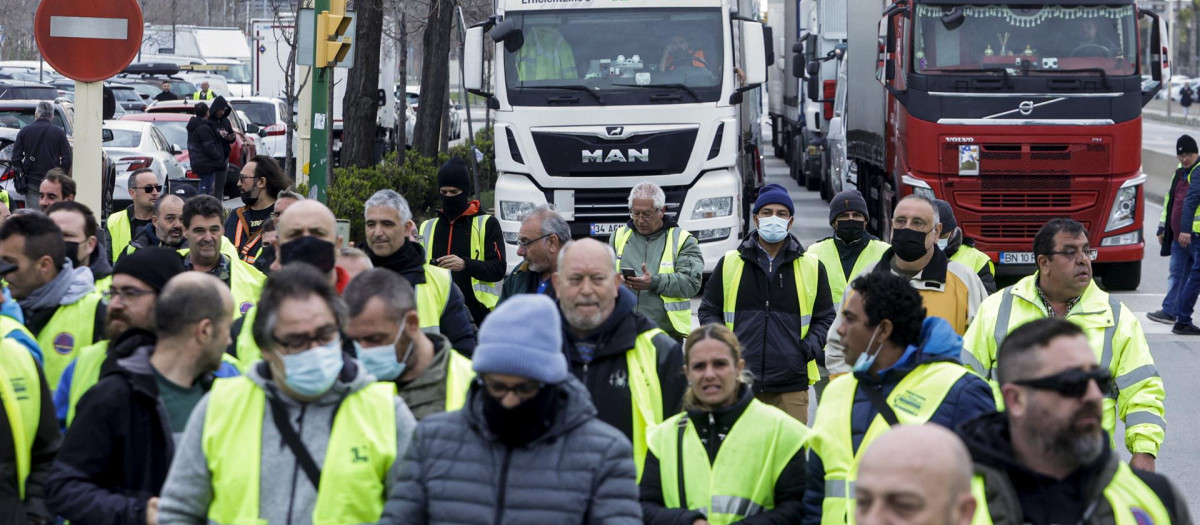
(1002, 71)
(668, 86)
(569, 87)
(1103, 74)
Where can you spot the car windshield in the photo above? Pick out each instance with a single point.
(124, 138)
(260, 113)
(17, 118)
(236, 73)
(967, 38)
(610, 54)
(175, 131)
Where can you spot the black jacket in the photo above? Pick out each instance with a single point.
(767, 316)
(40, 147)
(45, 445)
(712, 428)
(452, 236)
(523, 280)
(206, 150)
(409, 262)
(606, 376)
(147, 237)
(1168, 230)
(119, 448)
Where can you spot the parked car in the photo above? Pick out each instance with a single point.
(128, 98)
(242, 149)
(8, 174)
(25, 90)
(272, 115)
(137, 145)
(147, 78)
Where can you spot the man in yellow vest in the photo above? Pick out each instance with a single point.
(1047, 457)
(165, 229)
(80, 232)
(775, 297)
(661, 262)
(59, 301)
(258, 446)
(952, 242)
(906, 371)
(385, 330)
(896, 486)
(204, 230)
(1063, 287)
(116, 455)
(1188, 154)
(204, 93)
(466, 241)
(27, 429)
(440, 302)
(630, 366)
(124, 225)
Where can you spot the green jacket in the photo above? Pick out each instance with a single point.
(685, 282)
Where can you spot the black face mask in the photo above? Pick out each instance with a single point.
(249, 198)
(909, 245)
(850, 231)
(523, 423)
(456, 205)
(311, 250)
(73, 253)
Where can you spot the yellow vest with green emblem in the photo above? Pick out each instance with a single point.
(679, 309)
(245, 281)
(21, 397)
(1128, 499)
(362, 447)
(915, 399)
(488, 294)
(1166, 208)
(806, 268)
(826, 252)
(974, 259)
(69, 330)
(741, 481)
(458, 380)
(120, 231)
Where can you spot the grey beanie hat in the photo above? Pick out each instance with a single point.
(523, 337)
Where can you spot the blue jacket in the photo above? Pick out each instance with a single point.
(969, 398)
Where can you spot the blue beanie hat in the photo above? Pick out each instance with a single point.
(774, 194)
(523, 337)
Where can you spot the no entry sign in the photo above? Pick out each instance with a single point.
(88, 40)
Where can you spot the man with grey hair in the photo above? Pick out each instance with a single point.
(543, 234)
(40, 147)
(630, 366)
(440, 303)
(664, 269)
(950, 289)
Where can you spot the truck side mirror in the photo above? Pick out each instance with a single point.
(813, 67)
(798, 59)
(1159, 52)
(885, 67)
(473, 59)
(755, 59)
(769, 45)
(508, 32)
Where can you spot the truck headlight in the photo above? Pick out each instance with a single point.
(919, 187)
(1125, 239)
(717, 234)
(713, 207)
(515, 210)
(1123, 209)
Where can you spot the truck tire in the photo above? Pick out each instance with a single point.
(1121, 277)
(776, 139)
(796, 167)
(827, 179)
(812, 177)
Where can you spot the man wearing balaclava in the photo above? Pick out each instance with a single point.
(466, 241)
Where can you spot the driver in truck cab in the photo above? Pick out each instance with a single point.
(678, 49)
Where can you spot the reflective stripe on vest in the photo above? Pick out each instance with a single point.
(806, 269)
(458, 380)
(1129, 500)
(21, 397)
(740, 482)
(645, 392)
(973, 259)
(120, 230)
(915, 399)
(86, 374)
(679, 309)
(488, 294)
(362, 447)
(70, 329)
(826, 251)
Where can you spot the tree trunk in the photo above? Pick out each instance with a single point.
(402, 75)
(435, 71)
(360, 107)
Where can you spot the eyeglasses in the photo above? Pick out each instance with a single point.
(126, 293)
(525, 244)
(302, 342)
(150, 188)
(1073, 382)
(643, 214)
(1073, 253)
(244, 177)
(499, 390)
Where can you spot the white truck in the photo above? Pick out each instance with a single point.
(593, 96)
(223, 50)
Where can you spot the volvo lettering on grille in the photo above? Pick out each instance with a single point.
(615, 155)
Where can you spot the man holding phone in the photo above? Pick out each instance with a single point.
(660, 262)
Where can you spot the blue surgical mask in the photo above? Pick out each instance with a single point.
(312, 372)
(381, 361)
(772, 229)
(942, 243)
(866, 359)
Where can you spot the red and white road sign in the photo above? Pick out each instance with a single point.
(88, 40)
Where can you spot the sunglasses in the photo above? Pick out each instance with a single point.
(152, 188)
(1072, 383)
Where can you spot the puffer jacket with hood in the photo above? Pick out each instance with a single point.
(205, 146)
(969, 398)
(285, 496)
(458, 472)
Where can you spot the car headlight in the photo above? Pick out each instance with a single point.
(515, 210)
(1123, 209)
(713, 207)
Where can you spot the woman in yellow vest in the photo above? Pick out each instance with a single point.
(728, 457)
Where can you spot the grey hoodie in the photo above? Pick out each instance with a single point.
(285, 494)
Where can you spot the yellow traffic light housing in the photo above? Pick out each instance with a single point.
(331, 45)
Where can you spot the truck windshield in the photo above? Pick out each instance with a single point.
(236, 74)
(1081, 39)
(624, 57)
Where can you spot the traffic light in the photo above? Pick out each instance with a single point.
(331, 45)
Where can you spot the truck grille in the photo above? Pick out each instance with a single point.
(1033, 159)
(578, 155)
(1006, 232)
(1015, 201)
(611, 205)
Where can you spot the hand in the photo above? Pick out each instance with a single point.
(152, 511)
(1185, 239)
(453, 263)
(641, 282)
(1142, 461)
(1160, 239)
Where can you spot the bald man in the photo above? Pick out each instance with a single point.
(307, 232)
(897, 487)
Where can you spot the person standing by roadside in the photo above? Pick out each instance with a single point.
(204, 148)
(204, 93)
(166, 93)
(1189, 239)
(39, 147)
(1188, 154)
(1185, 99)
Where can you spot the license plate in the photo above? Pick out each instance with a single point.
(605, 228)
(1017, 258)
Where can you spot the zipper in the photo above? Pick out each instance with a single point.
(503, 486)
(712, 437)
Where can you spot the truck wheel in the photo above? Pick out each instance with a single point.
(812, 179)
(776, 142)
(1120, 277)
(796, 168)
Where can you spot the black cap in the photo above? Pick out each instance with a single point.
(847, 200)
(454, 174)
(153, 266)
(1186, 144)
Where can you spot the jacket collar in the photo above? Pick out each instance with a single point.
(792, 249)
(1092, 302)
(932, 276)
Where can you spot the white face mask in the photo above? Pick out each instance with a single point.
(772, 229)
(381, 360)
(312, 372)
(866, 359)
(942, 243)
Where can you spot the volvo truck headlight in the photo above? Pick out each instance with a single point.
(515, 210)
(716, 234)
(1123, 209)
(713, 207)
(1125, 239)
